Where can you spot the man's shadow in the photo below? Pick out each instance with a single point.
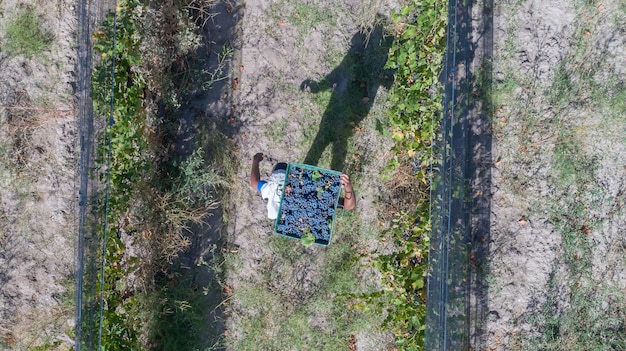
(354, 84)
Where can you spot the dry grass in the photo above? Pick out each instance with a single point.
(403, 190)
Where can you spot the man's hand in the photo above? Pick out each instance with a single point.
(349, 201)
(345, 182)
(258, 157)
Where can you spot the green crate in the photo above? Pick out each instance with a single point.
(287, 185)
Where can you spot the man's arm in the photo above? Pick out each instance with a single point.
(255, 174)
(349, 201)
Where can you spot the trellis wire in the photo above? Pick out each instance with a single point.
(89, 304)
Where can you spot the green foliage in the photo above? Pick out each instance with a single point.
(147, 192)
(197, 184)
(404, 277)
(129, 160)
(181, 315)
(307, 239)
(25, 36)
(416, 56)
(124, 145)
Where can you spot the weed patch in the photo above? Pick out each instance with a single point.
(156, 198)
(26, 36)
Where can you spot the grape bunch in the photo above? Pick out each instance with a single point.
(309, 200)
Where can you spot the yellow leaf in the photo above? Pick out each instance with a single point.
(397, 135)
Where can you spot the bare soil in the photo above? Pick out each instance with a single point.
(38, 197)
(558, 175)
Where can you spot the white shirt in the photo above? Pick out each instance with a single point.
(271, 191)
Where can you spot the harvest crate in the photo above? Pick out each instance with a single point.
(308, 204)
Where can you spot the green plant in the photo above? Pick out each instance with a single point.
(47, 346)
(309, 15)
(416, 56)
(25, 36)
(184, 311)
(307, 239)
(415, 98)
(160, 197)
(404, 276)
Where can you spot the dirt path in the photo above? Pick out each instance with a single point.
(284, 43)
(38, 201)
(556, 267)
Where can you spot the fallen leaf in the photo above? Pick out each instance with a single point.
(585, 229)
(281, 22)
(523, 221)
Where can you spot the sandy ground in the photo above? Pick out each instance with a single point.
(532, 40)
(278, 53)
(38, 198)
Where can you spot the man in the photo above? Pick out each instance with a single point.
(271, 189)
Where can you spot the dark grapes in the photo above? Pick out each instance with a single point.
(309, 203)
